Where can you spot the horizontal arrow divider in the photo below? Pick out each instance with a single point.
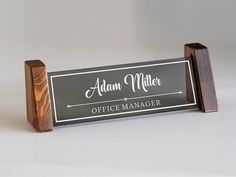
(123, 99)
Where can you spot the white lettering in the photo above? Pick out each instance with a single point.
(101, 88)
(140, 81)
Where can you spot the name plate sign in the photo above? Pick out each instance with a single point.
(123, 90)
(103, 93)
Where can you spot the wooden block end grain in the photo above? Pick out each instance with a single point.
(203, 76)
(39, 112)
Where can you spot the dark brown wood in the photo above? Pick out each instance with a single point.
(203, 76)
(39, 113)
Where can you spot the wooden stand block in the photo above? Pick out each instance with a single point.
(203, 76)
(39, 112)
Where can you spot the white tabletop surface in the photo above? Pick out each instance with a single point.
(79, 34)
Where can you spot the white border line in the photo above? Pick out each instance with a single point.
(114, 69)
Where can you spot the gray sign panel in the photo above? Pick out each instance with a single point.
(123, 90)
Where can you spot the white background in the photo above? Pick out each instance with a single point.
(86, 33)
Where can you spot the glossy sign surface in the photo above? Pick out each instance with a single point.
(122, 90)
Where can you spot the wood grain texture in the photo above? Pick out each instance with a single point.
(39, 112)
(203, 76)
